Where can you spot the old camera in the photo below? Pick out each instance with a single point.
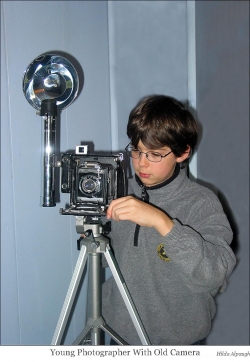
(92, 181)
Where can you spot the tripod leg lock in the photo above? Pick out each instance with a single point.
(79, 243)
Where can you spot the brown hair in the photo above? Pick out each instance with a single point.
(159, 121)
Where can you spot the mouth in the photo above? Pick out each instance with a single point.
(144, 175)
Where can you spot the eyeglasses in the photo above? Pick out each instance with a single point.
(151, 156)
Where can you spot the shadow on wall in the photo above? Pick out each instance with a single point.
(226, 207)
(228, 211)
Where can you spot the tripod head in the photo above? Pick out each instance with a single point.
(87, 225)
(84, 223)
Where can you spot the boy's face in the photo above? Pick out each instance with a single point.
(154, 173)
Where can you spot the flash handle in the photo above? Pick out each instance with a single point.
(49, 113)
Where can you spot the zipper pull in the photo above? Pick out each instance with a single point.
(144, 197)
(144, 194)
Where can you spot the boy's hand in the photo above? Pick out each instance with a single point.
(139, 212)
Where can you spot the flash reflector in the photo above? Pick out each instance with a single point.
(50, 76)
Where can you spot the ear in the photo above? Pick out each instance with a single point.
(185, 155)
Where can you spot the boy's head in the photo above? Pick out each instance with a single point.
(159, 121)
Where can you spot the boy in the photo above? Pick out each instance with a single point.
(170, 236)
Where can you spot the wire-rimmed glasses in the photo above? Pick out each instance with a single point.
(151, 155)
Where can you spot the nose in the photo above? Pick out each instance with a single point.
(143, 161)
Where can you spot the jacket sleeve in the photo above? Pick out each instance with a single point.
(201, 252)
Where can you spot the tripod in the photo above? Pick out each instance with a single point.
(92, 245)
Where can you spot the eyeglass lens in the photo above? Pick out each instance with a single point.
(151, 156)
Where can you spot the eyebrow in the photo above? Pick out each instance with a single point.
(153, 150)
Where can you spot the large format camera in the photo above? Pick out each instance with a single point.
(93, 181)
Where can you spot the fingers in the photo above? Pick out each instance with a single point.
(141, 213)
(130, 208)
(117, 208)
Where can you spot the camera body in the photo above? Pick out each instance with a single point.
(92, 181)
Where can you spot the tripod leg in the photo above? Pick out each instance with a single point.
(96, 336)
(94, 299)
(113, 334)
(84, 334)
(74, 284)
(95, 321)
(126, 296)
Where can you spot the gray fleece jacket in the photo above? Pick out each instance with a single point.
(172, 279)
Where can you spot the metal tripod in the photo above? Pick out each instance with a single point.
(92, 245)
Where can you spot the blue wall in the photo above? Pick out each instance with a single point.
(126, 49)
(38, 247)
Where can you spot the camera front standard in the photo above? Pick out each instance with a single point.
(92, 181)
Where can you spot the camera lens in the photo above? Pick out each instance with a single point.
(88, 185)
